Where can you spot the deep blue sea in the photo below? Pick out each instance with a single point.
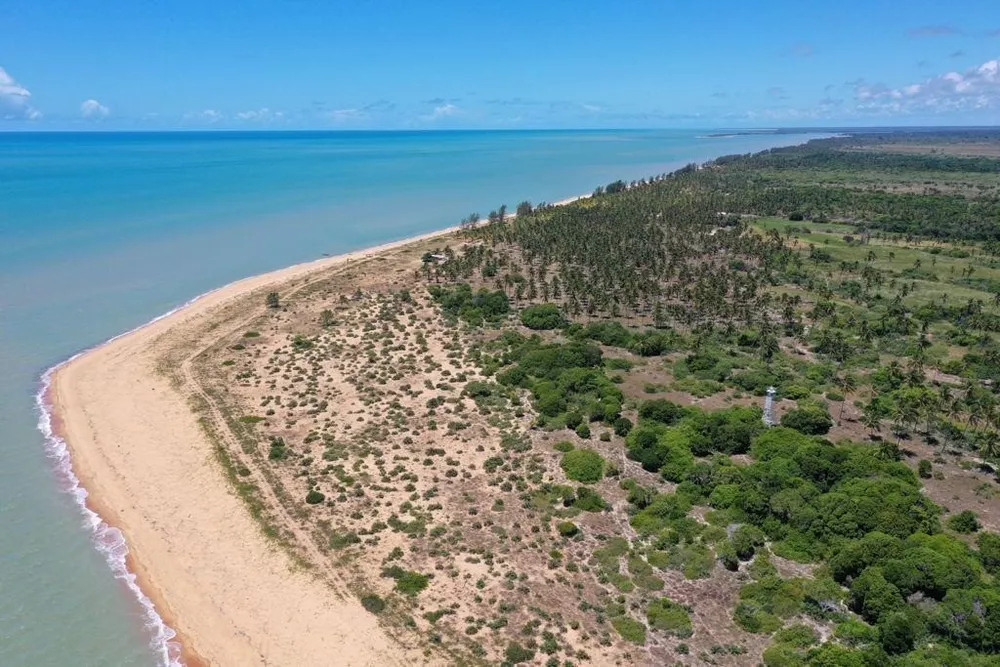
(100, 232)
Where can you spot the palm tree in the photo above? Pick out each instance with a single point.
(847, 384)
(905, 415)
(768, 348)
(889, 450)
(988, 442)
(871, 417)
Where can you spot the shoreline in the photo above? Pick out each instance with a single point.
(170, 644)
(111, 533)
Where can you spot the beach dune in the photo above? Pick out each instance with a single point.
(233, 597)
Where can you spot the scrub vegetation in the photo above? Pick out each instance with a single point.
(541, 440)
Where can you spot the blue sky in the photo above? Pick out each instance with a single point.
(183, 64)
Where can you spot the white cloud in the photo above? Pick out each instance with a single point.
(209, 116)
(93, 109)
(975, 88)
(260, 115)
(15, 100)
(345, 115)
(442, 111)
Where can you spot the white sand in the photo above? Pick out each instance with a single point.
(137, 447)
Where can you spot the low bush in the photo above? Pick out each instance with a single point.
(964, 522)
(669, 617)
(810, 418)
(408, 582)
(583, 465)
(373, 603)
(589, 500)
(567, 528)
(543, 316)
(630, 629)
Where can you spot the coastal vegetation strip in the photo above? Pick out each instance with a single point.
(540, 439)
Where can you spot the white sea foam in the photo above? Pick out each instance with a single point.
(107, 539)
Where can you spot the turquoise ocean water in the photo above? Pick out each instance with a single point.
(100, 233)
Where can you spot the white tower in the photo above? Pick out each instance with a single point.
(769, 407)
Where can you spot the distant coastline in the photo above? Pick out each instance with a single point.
(96, 403)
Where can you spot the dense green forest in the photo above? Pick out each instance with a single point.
(858, 277)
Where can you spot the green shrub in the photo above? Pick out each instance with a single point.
(516, 654)
(964, 522)
(408, 582)
(630, 629)
(622, 425)
(643, 574)
(765, 602)
(478, 389)
(989, 551)
(669, 617)
(799, 636)
(810, 419)
(873, 597)
(925, 469)
(567, 528)
(563, 446)
(661, 511)
(661, 410)
(573, 419)
(589, 500)
(608, 332)
(583, 431)
(854, 632)
(543, 316)
(342, 540)
(795, 392)
(752, 618)
(314, 497)
(746, 539)
(583, 465)
(473, 307)
(373, 603)
(618, 364)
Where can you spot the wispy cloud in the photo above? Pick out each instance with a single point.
(442, 111)
(777, 92)
(15, 100)
(263, 115)
(93, 110)
(933, 31)
(345, 115)
(207, 116)
(379, 106)
(957, 54)
(802, 50)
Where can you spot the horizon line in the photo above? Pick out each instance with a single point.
(730, 129)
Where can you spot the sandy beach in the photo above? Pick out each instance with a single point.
(233, 597)
(149, 470)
